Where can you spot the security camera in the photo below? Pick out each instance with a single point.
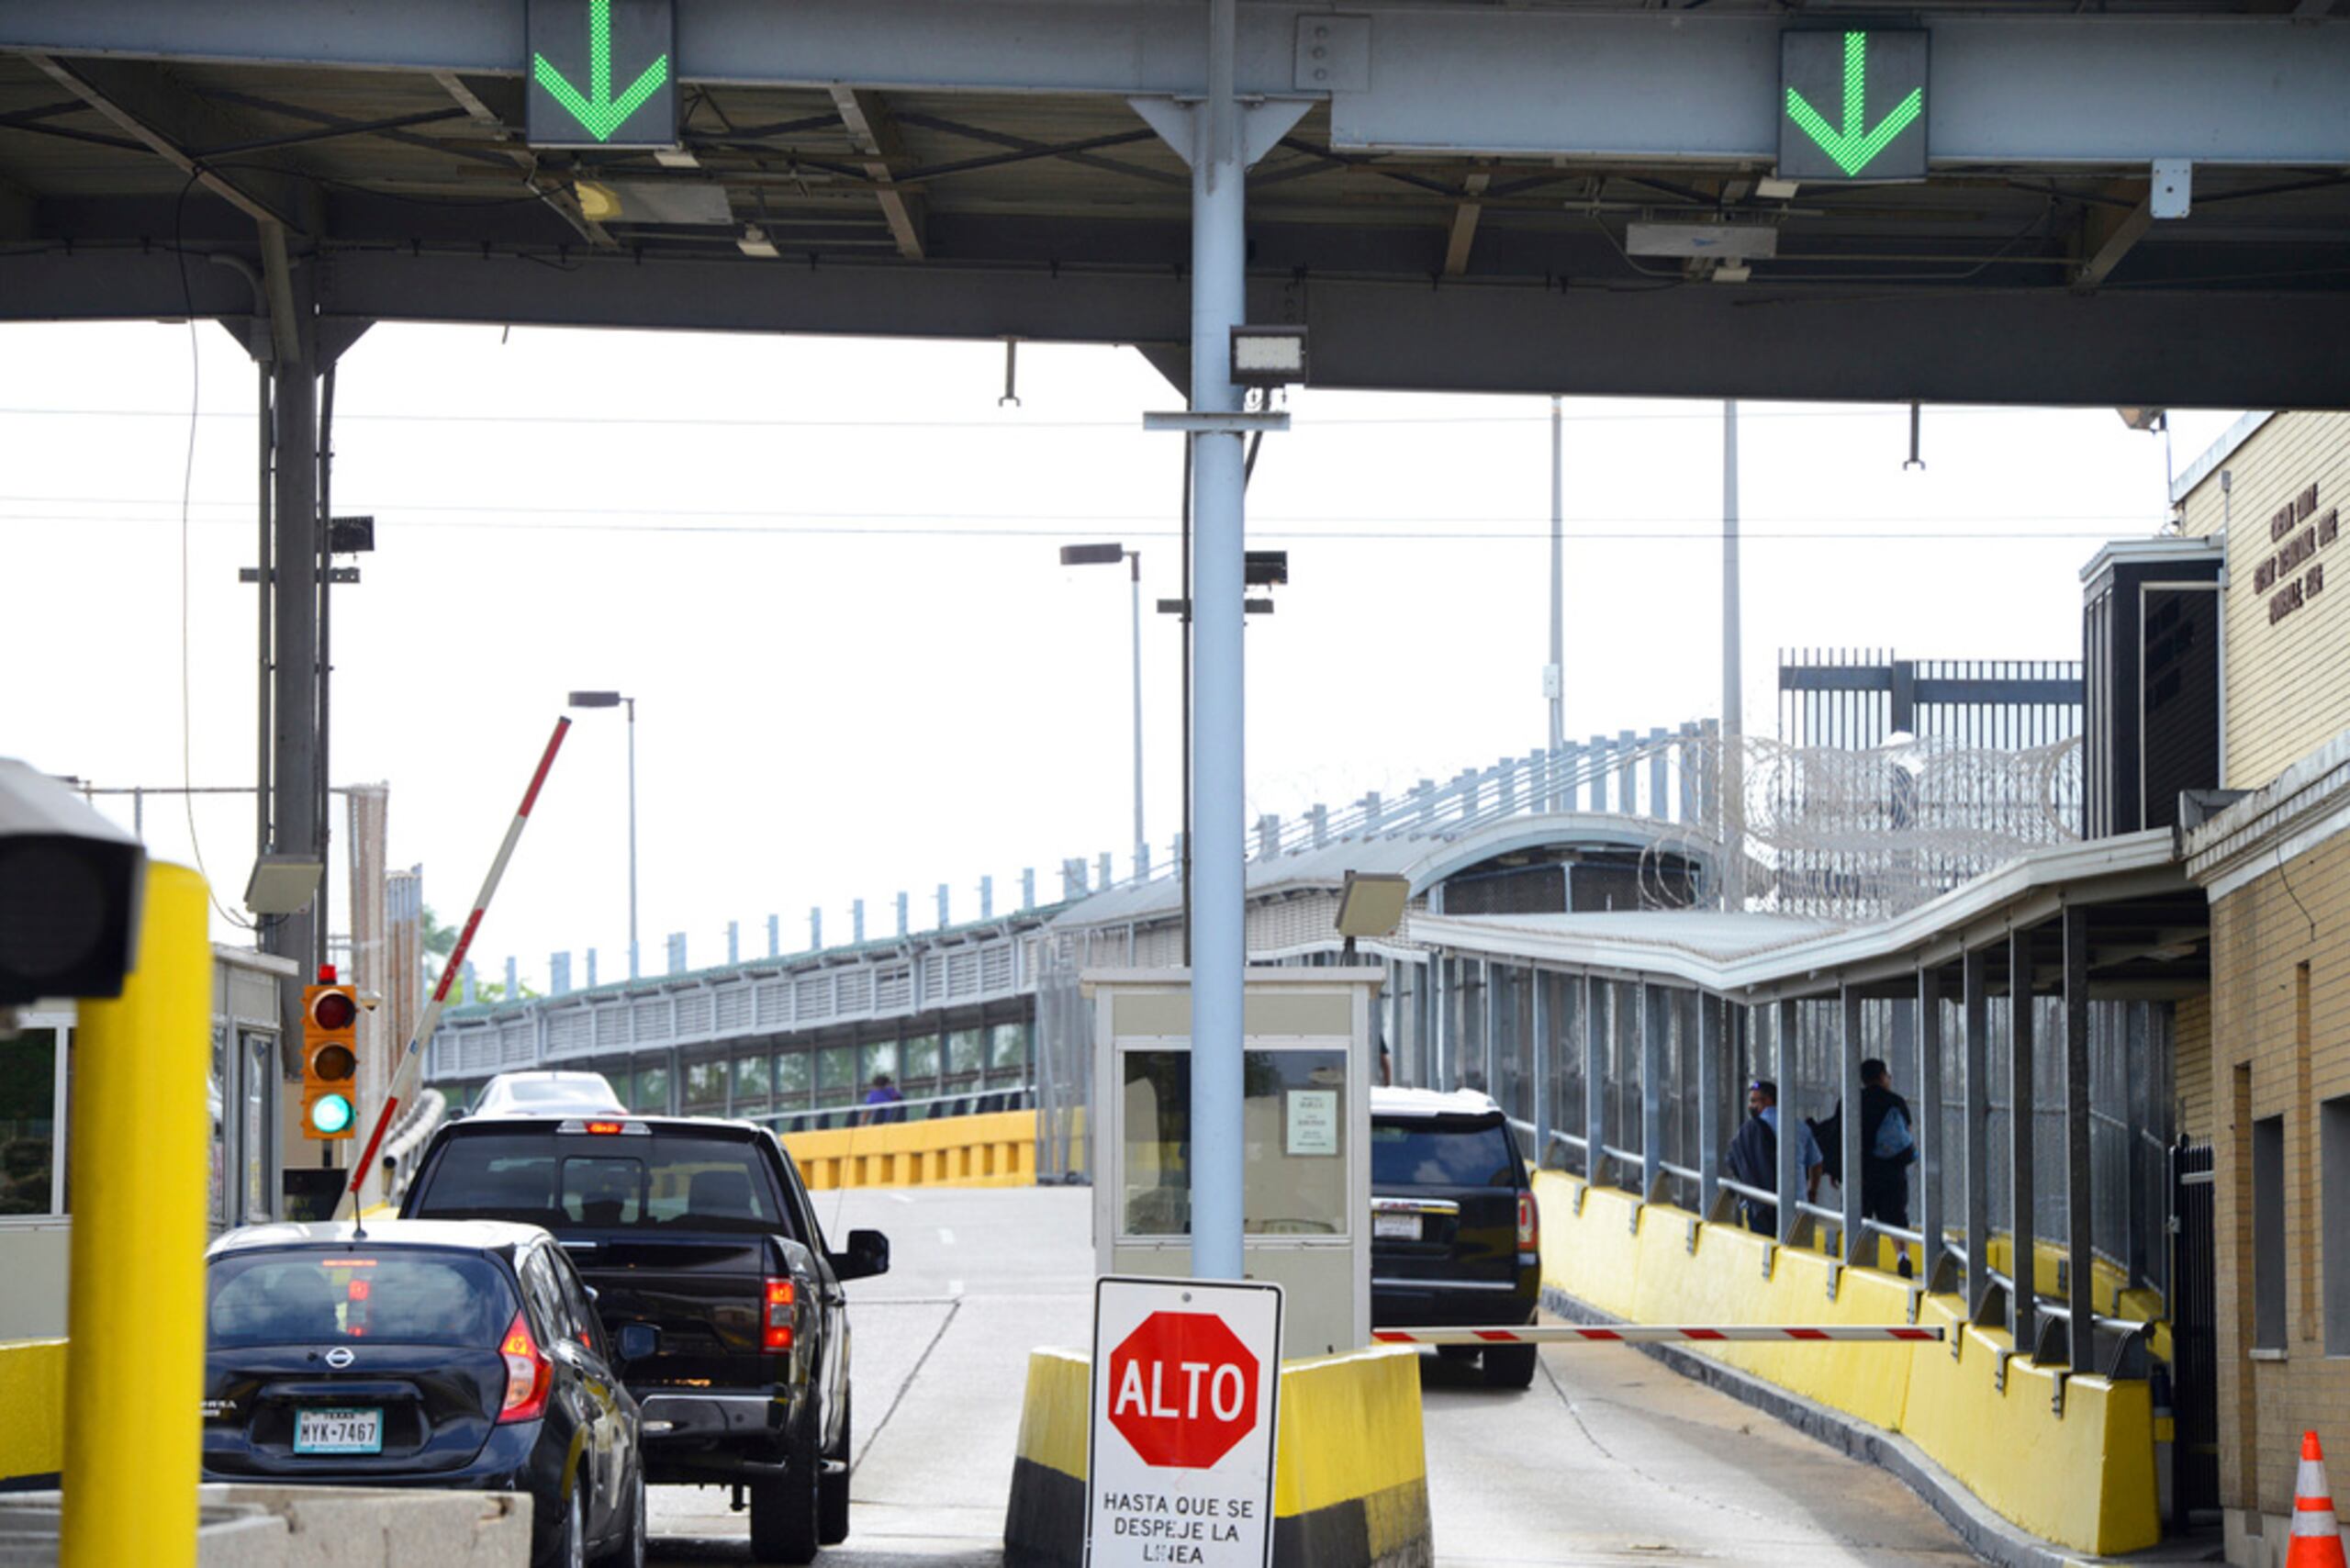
(69, 889)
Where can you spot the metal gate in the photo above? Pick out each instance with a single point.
(2195, 1367)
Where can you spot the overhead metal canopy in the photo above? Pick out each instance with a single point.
(1451, 212)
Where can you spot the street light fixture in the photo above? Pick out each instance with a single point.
(1110, 555)
(1371, 904)
(615, 699)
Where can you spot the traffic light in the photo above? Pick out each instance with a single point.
(329, 1059)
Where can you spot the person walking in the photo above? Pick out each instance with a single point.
(883, 1103)
(1753, 1157)
(1889, 1147)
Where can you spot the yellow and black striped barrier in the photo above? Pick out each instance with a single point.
(1349, 1466)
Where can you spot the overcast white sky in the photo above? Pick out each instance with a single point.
(826, 569)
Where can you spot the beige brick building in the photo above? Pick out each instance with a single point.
(2263, 1073)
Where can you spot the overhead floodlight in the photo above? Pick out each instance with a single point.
(595, 699)
(1734, 242)
(1268, 357)
(1771, 189)
(2142, 418)
(1372, 904)
(754, 242)
(283, 884)
(676, 158)
(1092, 554)
(598, 202)
(1264, 568)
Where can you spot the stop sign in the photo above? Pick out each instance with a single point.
(1182, 1389)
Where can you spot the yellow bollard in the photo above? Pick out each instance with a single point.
(134, 1368)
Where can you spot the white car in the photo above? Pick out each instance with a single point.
(548, 1094)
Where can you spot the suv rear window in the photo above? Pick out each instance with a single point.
(320, 1296)
(1442, 1151)
(666, 1182)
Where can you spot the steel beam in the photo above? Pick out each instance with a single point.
(1859, 1242)
(1595, 1080)
(2097, 90)
(875, 132)
(1975, 986)
(1717, 1032)
(1464, 224)
(1655, 1019)
(2023, 1316)
(1932, 1156)
(2108, 236)
(1791, 1183)
(1998, 347)
(175, 125)
(2080, 1207)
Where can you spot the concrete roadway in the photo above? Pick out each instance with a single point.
(1608, 1460)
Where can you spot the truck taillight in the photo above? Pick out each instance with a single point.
(1529, 1224)
(775, 1322)
(528, 1374)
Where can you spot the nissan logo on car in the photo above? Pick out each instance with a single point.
(340, 1357)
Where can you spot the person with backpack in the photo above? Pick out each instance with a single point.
(1753, 1157)
(1889, 1147)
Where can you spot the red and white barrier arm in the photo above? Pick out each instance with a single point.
(1655, 1334)
(431, 1021)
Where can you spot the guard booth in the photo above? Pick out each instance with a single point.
(243, 1098)
(1305, 1119)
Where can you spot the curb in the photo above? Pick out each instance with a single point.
(1984, 1533)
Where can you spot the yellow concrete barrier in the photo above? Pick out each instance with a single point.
(32, 1409)
(1350, 1464)
(2084, 1478)
(998, 1150)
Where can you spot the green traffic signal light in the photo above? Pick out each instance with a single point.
(331, 1113)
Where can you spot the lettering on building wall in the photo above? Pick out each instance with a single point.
(2299, 531)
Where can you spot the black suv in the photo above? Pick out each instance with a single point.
(701, 1231)
(1455, 1237)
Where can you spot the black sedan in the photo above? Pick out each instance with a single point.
(427, 1353)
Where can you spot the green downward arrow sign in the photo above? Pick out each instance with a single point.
(596, 110)
(1854, 147)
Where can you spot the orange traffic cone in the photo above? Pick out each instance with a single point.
(2317, 1534)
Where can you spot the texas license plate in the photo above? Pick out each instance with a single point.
(338, 1431)
(1396, 1227)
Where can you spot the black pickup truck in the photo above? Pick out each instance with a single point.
(713, 1282)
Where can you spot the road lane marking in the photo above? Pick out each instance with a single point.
(954, 1289)
(945, 1237)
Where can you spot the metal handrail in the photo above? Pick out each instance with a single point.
(1572, 1140)
(1684, 1172)
(1731, 1184)
(1626, 1156)
(802, 1112)
(1898, 1233)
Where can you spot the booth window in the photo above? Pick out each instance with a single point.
(32, 1068)
(1293, 1118)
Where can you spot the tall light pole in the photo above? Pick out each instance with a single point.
(614, 699)
(1110, 555)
